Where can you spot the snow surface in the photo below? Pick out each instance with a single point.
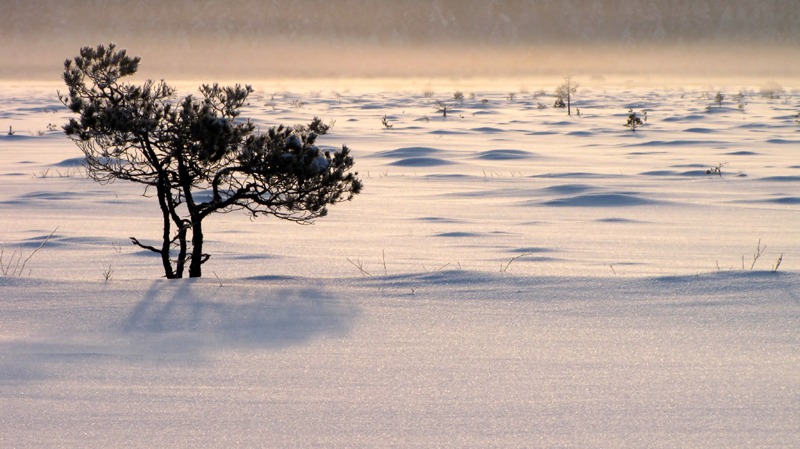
(510, 277)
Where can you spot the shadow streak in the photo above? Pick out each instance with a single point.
(188, 315)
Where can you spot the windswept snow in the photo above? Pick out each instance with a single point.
(510, 277)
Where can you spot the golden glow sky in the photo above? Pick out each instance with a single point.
(257, 39)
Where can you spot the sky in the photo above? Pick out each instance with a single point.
(255, 39)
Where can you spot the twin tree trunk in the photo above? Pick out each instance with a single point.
(195, 225)
(170, 217)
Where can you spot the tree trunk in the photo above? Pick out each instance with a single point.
(180, 262)
(166, 239)
(163, 192)
(196, 261)
(569, 106)
(196, 258)
(569, 100)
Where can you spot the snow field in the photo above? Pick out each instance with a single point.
(510, 277)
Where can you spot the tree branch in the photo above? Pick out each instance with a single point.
(140, 244)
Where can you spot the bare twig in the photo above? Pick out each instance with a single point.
(442, 267)
(777, 264)
(16, 264)
(360, 266)
(22, 269)
(504, 268)
(107, 273)
(5, 268)
(141, 245)
(758, 253)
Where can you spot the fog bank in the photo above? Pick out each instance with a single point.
(252, 39)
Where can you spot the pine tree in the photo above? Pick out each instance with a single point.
(196, 153)
(565, 92)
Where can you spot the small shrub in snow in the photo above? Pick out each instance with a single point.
(771, 90)
(316, 126)
(741, 101)
(718, 99)
(715, 170)
(634, 121)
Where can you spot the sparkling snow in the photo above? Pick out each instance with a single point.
(510, 277)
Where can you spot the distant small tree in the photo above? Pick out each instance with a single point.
(197, 155)
(719, 98)
(443, 107)
(565, 92)
(772, 90)
(634, 121)
(741, 101)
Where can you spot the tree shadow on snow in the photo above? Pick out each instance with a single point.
(188, 315)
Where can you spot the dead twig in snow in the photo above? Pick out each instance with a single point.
(12, 268)
(360, 265)
(504, 268)
(758, 253)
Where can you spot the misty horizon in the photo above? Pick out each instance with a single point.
(446, 38)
